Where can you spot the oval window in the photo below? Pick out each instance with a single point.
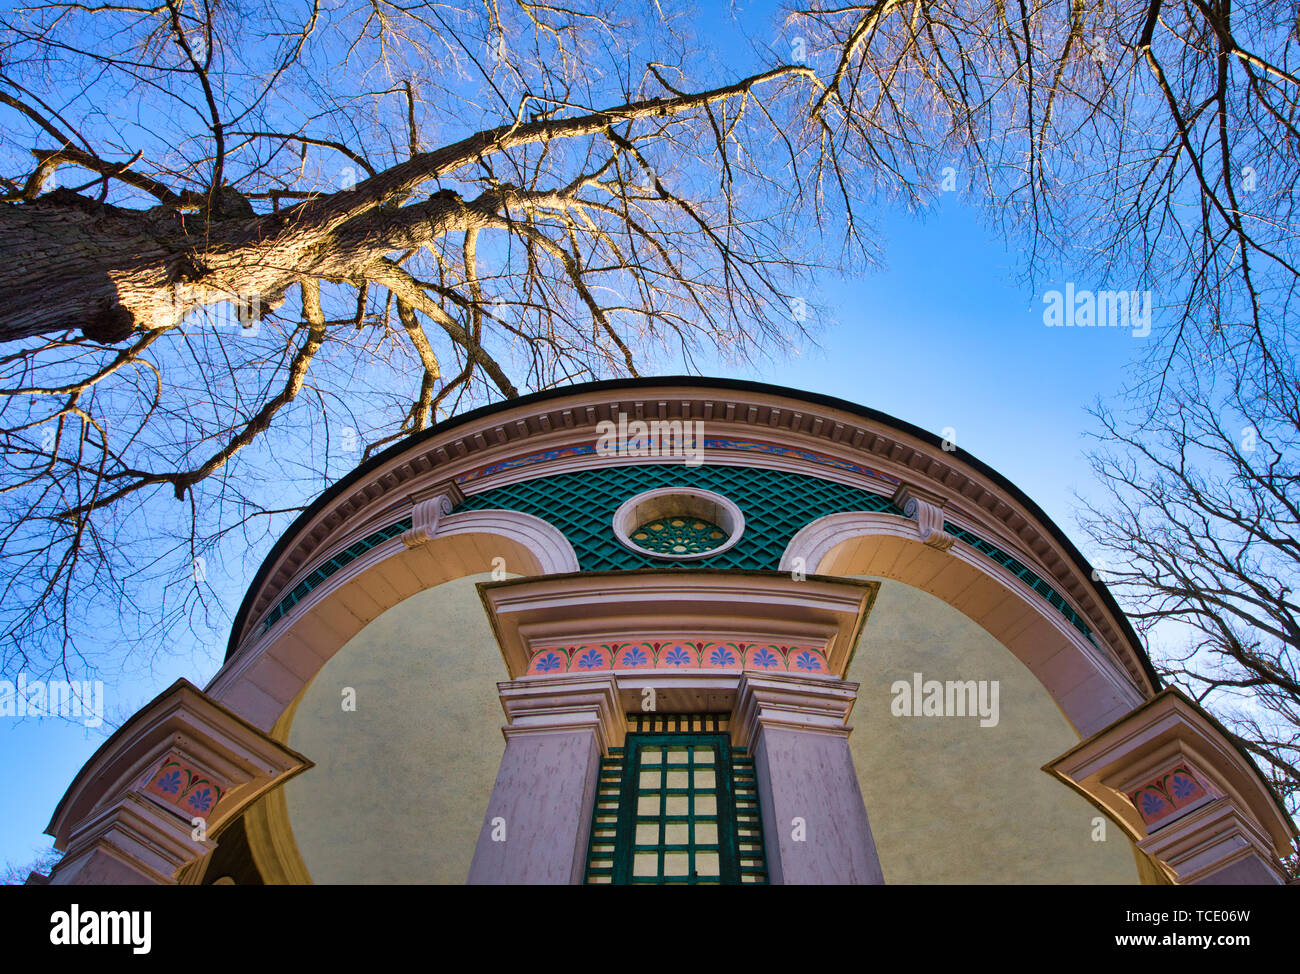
(678, 523)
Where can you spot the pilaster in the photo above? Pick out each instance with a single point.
(142, 808)
(1171, 777)
(815, 824)
(539, 816)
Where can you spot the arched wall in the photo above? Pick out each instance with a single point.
(742, 424)
(949, 800)
(401, 783)
(392, 601)
(1090, 689)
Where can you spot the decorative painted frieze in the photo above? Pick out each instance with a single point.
(677, 654)
(178, 783)
(1165, 794)
(677, 620)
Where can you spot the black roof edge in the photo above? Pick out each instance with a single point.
(738, 385)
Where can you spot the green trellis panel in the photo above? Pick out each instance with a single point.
(776, 504)
(325, 570)
(679, 535)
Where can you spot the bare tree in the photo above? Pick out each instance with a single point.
(1201, 528)
(275, 225)
(17, 874)
(1143, 144)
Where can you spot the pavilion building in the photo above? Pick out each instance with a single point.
(674, 630)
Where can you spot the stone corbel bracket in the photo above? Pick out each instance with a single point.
(926, 509)
(432, 519)
(1168, 774)
(427, 511)
(142, 808)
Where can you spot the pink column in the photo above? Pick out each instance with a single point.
(539, 816)
(815, 825)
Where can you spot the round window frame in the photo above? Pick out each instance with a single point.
(682, 501)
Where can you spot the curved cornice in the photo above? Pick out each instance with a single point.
(389, 484)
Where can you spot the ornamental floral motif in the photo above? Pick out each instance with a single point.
(1153, 803)
(765, 659)
(807, 661)
(678, 657)
(679, 536)
(592, 659)
(183, 788)
(634, 657)
(170, 782)
(201, 800)
(549, 663)
(722, 656)
(1167, 795)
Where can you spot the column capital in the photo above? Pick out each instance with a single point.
(142, 807)
(817, 704)
(538, 819)
(564, 703)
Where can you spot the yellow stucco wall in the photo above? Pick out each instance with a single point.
(401, 785)
(950, 801)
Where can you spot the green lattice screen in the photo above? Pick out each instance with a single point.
(679, 535)
(776, 504)
(677, 808)
(1025, 574)
(328, 568)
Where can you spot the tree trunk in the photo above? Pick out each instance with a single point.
(86, 266)
(110, 272)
